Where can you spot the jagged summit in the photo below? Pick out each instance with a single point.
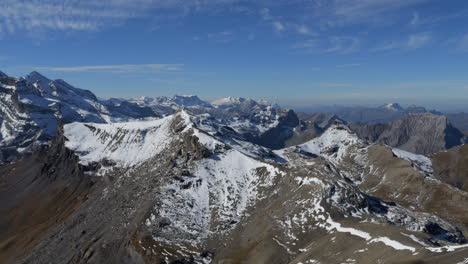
(238, 101)
(393, 107)
(189, 101)
(228, 101)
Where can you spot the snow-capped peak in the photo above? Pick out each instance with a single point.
(393, 107)
(332, 144)
(188, 101)
(37, 77)
(234, 101)
(228, 101)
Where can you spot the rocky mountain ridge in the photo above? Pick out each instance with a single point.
(418, 133)
(238, 181)
(213, 195)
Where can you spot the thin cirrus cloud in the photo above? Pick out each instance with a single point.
(414, 41)
(333, 44)
(463, 43)
(419, 40)
(124, 68)
(348, 65)
(80, 15)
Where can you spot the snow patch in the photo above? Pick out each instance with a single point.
(420, 162)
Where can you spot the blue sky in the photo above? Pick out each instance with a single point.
(295, 52)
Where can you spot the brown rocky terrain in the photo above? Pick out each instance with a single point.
(452, 167)
(201, 198)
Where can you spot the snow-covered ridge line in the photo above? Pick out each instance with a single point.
(420, 162)
(126, 144)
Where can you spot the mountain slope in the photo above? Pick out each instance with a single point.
(452, 167)
(184, 190)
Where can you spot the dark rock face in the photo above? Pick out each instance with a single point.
(459, 121)
(417, 133)
(37, 194)
(322, 120)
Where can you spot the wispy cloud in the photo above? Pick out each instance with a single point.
(387, 46)
(223, 36)
(329, 45)
(413, 41)
(336, 85)
(265, 14)
(281, 25)
(278, 26)
(348, 65)
(463, 43)
(415, 20)
(90, 15)
(124, 68)
(334, 13)
(419, 40)
(343, 44)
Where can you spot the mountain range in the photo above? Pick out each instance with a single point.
(181, 180)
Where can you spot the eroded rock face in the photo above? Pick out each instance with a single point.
(204, 196)
(418, 133)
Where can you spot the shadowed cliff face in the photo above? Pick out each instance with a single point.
(38, 193)
(418, 133)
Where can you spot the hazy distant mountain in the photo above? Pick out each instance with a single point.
(381, 114)
(392, 107)
(459, 120)
(418, 133)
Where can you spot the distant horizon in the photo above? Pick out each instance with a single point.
(294, 52)
(312, 106)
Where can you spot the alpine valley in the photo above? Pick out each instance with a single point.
(181, 180)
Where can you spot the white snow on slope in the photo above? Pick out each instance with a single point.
(446, 248)
(126, 144)
(332, 225)
(221, 189)
(333, 144)
(421, 162)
